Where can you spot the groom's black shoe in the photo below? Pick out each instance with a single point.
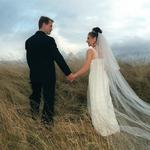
(47, 123)
(34, 109)
(35, 114)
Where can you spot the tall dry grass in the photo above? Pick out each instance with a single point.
(72, 128)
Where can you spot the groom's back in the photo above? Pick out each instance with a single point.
(40, 57)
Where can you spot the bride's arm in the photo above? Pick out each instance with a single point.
(86, 65)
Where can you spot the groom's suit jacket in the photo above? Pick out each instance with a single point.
(41, 53)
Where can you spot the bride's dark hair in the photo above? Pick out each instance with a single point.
(95, 31)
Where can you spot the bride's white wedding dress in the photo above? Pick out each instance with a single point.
(113, 105)
(99, 99)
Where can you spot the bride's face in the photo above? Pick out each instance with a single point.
(91, 40)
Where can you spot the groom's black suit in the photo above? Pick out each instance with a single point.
(41, 53)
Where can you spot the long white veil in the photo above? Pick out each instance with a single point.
(132, 113)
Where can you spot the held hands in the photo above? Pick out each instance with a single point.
(71, 77)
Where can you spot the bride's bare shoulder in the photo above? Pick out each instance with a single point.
(90, 49)
(90, 52)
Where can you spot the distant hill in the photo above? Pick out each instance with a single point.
(130, 56)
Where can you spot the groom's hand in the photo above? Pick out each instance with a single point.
(70, 77)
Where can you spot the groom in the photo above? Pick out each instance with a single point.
(41, 53)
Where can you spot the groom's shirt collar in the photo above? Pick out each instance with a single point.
(41, 32)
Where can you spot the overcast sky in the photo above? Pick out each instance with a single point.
(125, 24)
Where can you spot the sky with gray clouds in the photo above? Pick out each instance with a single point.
(125, 24)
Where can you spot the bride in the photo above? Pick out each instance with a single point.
(112, 104)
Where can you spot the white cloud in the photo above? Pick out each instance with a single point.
(120, 20)
(65, 45)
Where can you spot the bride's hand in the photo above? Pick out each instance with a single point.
(74, 75)
(71, 77)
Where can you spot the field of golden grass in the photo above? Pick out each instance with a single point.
(72, 127)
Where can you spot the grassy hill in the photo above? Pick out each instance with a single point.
(73, 128)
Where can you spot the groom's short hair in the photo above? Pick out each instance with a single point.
(44, 19)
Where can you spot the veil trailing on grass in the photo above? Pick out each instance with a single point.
(132, 113)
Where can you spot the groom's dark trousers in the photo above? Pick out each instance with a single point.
(41, 53)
